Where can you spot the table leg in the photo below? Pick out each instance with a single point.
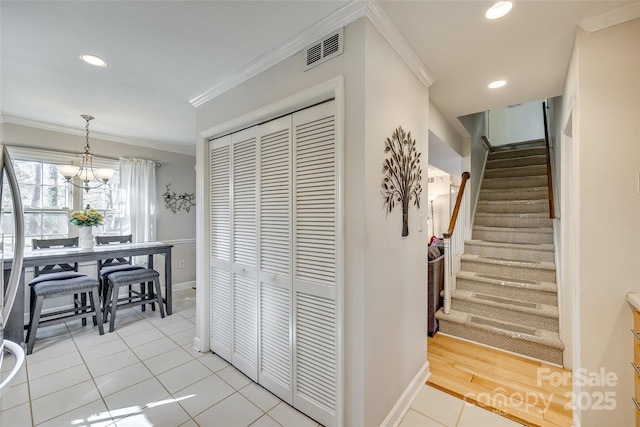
(167, 281)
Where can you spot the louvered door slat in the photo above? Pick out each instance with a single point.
(221, 312)
(315, 207)
(245, 325)
(244, 202)
(315, 357)
(244, 230)
(275, 201)
(275, 342)
(220, 278)
(220, 204)
(275, 259)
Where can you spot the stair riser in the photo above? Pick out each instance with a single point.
(510, 182)
(514, 221)
(500, 313)
(522, 294)
(509, 271)
(496, 155)
(516, 161)
(516, 172)
(513, 236)
(516, 208)
(514, 195)
(509, 343)
(509, 253)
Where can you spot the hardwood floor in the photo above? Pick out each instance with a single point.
(531, 392)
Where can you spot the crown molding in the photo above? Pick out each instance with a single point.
(338, 19)
(19, 121)
(381, 20)
(611, 18)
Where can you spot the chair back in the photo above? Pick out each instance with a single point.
(108, 240)
(50, 244)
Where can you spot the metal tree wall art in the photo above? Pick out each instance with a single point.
(177, 202)
(402, 174)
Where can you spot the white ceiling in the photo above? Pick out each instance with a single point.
(161, 54)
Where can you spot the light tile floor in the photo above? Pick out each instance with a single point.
(146, 373)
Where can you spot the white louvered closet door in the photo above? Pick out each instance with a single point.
(315, 263)
(220, 211)
(275, 370)
(274, 222)
(244, 252)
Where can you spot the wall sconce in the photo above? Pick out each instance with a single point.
(177, 202)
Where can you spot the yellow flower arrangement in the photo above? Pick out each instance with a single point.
(88, 217)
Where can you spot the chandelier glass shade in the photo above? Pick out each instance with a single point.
(86, 173)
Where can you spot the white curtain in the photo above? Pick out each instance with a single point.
(138, 180)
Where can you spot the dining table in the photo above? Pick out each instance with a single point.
(14, 326)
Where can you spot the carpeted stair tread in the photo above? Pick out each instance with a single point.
(535, 343)
(509, 282)
(539, 336)
(513, 193)
(513, 206)
(514, 219)
(509, 269)
(533, 252)
(517, 171)
(507, 303)
(517, 146)
(541, 230)
(514, 182)
(531, 247)
(509, 263)
(523, 152)
(493, 163)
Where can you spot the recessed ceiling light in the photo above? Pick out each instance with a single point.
(93, 60)
(497, 84)
(498, 10)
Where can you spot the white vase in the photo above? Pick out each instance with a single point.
(86, 238)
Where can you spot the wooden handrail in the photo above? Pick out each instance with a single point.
(454, 217)
(487, 143)
(552, 213)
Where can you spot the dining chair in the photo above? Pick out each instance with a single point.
(54, 280)
(112, 265)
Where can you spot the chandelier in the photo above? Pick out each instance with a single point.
(86, 174)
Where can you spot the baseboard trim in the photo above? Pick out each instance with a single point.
(182, 286)
(399, 410)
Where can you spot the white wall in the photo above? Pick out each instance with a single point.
(476, 125)
(518, 123)
(444, 130)
(395, 267)
(442, 205)
(177, 169)
(606, 115)
(385, 275)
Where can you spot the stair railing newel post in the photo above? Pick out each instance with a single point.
(452, 261)
(447, 273)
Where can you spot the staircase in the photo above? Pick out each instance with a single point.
(506, 292)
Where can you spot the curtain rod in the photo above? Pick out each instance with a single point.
(73, 153)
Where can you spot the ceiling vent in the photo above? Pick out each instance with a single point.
(327, 48)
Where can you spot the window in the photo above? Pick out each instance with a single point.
(48, 200)
(109, 200)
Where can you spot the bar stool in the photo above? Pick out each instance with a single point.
(56, 280)
(112, 300)
(112, 265)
